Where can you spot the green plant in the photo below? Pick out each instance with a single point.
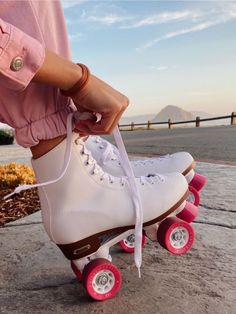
(6, 138)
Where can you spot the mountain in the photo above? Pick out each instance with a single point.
(174, 113)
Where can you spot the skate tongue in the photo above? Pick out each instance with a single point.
(135, 197)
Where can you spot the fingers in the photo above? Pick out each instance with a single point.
(85, 128)
(104, 126)
(99, 97)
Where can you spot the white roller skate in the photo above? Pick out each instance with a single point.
(86, 211)
(108, 157)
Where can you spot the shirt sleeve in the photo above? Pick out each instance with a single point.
(21, 56)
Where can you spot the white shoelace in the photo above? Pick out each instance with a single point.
(128, 171)
(111, 153)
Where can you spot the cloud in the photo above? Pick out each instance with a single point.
(224, 16)
(161, 18)
(195, 28)
(108, 19)
(105, 14)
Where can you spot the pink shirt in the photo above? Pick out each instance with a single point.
(36, 111)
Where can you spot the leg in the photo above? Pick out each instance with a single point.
(45, 146)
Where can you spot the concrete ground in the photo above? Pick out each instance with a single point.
(36, 278)
(208, 144)
(214, 144)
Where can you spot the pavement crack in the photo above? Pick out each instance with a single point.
(215, 224)
(218, 209)
(23, 224)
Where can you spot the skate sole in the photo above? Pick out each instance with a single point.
(189, 168)
(90, 245)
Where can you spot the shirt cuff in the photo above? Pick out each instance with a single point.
(21, 56)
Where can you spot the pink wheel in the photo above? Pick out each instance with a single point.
(101, 279)
(198, 181)
(76, 271)
(189, 213)
(175, 235)
(194, 196)
(128, 243)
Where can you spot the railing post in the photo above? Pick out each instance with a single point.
(197, 122)
(132, 126)
(148, 125)
(233, 118)
(169, 123)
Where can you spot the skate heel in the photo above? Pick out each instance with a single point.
(97, 245)
(198, 181)
(80, 249)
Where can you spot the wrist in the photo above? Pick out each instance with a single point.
(58, 72)
(80, 84)
(73, 75)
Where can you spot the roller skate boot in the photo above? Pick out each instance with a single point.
(86, 211)
(108, 157)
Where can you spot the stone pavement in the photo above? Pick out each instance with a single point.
(36, 278)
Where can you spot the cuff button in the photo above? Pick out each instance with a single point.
(16, 64)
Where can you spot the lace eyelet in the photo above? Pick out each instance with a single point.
(101, 179)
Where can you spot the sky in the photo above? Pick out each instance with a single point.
(159, 53)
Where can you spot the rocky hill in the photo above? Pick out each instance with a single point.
(174, 113)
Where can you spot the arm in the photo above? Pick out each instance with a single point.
(23, 59)
(21, 56)
(58, 72)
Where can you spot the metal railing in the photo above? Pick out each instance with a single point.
(197, 122)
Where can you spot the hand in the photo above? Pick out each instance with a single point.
(99, 97)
